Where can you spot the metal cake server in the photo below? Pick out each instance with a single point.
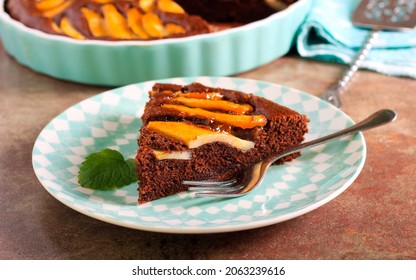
(377, 15)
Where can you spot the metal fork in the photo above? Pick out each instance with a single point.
(253, 176)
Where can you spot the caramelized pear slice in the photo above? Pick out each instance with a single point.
(50, 13)
(242, 121)
(56, 28)
(45, 5)
(193, 136)
(146, 5)
(95, 22)
(69, 29)
(170, 6)
(134, 19)
(201, 95)
(220, 105)
(153, 25)
(116, 24)
(103, 1)
(174, 29)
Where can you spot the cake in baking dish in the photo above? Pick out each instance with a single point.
(135, 19)
(108, 19)
(194, 132)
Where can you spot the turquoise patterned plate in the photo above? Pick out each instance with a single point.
(112, 119)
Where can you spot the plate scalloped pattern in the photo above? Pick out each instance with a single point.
(112, 120)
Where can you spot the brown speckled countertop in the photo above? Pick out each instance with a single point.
(373, 219)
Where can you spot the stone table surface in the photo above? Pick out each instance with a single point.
(373, 219)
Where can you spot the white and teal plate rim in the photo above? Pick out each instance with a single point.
(112, 119)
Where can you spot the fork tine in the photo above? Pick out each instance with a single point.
(211, 189)
(228, 193)
(204, 184)
(231, 188)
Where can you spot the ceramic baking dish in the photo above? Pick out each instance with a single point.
(119, 63)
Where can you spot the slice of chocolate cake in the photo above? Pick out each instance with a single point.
(194, 132)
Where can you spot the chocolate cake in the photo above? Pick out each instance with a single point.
(135, 19)
(194, 132)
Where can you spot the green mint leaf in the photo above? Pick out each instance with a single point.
(107, 170)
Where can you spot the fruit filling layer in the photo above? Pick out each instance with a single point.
(193, 136)
(196, 119)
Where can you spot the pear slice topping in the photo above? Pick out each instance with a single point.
(242, 121)
(212, 105)
(194, 136)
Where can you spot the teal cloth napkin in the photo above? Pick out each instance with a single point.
(328, 34)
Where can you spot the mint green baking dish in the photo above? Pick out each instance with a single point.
(120, 63)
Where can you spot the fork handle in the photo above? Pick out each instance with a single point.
(377, 119)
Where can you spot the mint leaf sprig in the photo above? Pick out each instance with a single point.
(107, 170)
